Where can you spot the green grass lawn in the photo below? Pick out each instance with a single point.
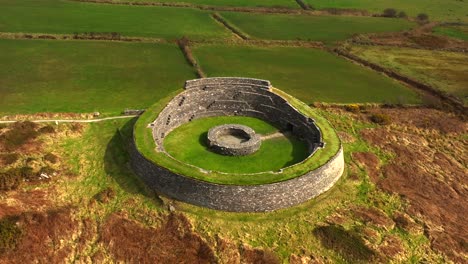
(440, 10)
(309, 74)
(57, 16)
(231, 3)
(444, 70)
(455, 31)
(317, 28)
(145, 144)
(74, 76)
(273, 154)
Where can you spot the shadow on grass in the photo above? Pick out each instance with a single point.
(203, 139)
(299, 151)
(348, 244)
(117, 162)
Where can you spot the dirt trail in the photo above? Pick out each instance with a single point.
(275, 135)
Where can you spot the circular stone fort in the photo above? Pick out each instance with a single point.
(229, 96)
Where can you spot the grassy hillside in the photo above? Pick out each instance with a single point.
(308, 74)
(55, 16)
(443, 70)
(318, 28)
(74, 76)
(441, 10)
(361, 219)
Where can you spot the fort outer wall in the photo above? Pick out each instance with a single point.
(238, 198)
(236, 96)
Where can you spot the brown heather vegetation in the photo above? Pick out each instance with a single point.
(429, 171)
(40, 237)
(174, 242)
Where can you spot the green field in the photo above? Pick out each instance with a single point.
(60, 17)
(273, 154)
(74, 76)
(441, 10)
(455, 31)
(317, 28)
(309, 74)
(231, 3)
(444, 70)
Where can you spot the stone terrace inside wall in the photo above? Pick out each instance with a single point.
(226, 96)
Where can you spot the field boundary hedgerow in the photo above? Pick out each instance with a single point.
(303, 8)
(273, 10)
(93, 36)
(442, 96)
(237, 32)
(104, 38)
(184, 45)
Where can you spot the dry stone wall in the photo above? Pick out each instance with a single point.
(236, 96)
(239, 198)
(229, 96)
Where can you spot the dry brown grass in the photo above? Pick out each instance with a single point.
(42, 237)
(174, 242)
(429, 171)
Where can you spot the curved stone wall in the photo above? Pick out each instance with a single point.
(252, 140)
(229, 97)
(238, 198)
(236, 96)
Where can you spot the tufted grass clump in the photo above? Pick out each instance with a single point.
(19, 134)
(9, 234)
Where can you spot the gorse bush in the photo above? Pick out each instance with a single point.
(423, 17)
(381, 119)
(353, 108)
(390, 12)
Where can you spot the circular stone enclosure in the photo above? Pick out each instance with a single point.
(233, 140)
(239, 192)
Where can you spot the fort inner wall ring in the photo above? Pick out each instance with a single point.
(217, 144)
(213, 97)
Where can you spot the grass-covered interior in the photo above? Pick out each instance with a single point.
(145, 144)
(188, 143)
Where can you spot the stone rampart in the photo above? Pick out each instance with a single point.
(229, 97)
(226, 96)
(238, 198)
